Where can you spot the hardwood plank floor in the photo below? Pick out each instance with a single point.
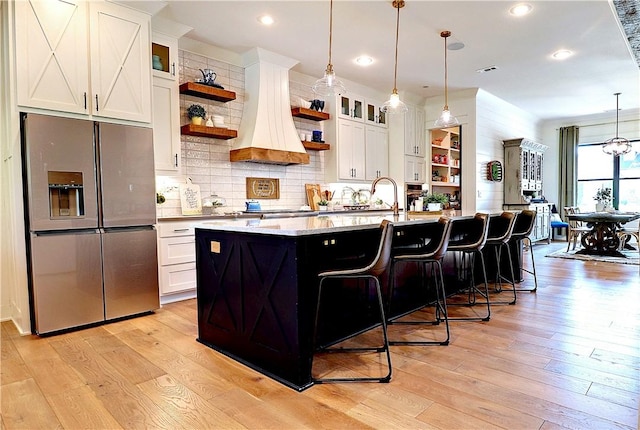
(567, 356)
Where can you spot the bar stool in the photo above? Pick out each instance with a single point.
(525, 221)
(372, 272)
(498, 236)
(470, 245)
(430, 256)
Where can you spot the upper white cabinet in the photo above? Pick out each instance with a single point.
(164, 52)
(58, 42)
(166, 124)
(377, 152)
(351, 149)
(414, 169)
(52, 55)
(374, 114)
(414, 132)
(350, 106)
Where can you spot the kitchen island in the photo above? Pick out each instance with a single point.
(257, 286)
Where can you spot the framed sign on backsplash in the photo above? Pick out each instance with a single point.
(263, 188)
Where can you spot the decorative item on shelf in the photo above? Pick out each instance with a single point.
(317, 105)
(209, 78)
(218, 121)
(435, 201)
(603, 198)
(160, 198)
(329, 85)
(616, 146)
(322, 205)
(209, 122)
(316, 136)
(494, 171)
(196, 114)
(157, 62)
(394, 105)
(446, 119)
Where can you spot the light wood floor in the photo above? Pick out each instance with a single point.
(567, 356)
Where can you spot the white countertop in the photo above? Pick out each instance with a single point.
(302, 226)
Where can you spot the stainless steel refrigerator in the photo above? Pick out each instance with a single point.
(90, 215)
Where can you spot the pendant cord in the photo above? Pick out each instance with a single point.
(617, 110)
(446, 84)
(330, 30)
(395, 72)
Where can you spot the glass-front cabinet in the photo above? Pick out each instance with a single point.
(164, 55)
(351, 106)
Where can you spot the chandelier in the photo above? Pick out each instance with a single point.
(616, 146)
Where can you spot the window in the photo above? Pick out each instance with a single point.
(597, 169)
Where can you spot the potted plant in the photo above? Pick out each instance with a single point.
(435, 201)
(603, 198)
(196, 114)
(322, 205)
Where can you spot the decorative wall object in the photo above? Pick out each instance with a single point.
(494, 171)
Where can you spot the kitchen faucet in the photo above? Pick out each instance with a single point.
(395, 192)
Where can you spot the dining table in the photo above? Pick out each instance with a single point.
(603, 238)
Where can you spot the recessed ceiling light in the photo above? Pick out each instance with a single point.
(562, 54)
(364, 60)
(520, 9)
(266, 19)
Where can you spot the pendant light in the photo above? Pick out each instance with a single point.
(394, 105)
(616, 145)
(446, 119)
(329, 85)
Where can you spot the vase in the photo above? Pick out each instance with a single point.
(322, 208)
(599, 207)
(157, 62)
(434, 207)
(196, 120)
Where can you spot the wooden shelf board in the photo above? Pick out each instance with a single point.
(316, 146)
(207, 92)
(444, 184)
(305, 113)
(204, 131)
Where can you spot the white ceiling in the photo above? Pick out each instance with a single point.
(520, 48)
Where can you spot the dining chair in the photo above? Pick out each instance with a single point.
(576, 228)
(624, 234)
(429, 253)
(371, 273)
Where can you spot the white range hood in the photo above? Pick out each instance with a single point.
(267, 133)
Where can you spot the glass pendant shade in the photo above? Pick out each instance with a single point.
(616, 146)
(329, 85)
(446, 119)
(394, 105)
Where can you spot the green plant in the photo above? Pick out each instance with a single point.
(160, 199)
(196, 111)
(603, 195)
(435, 198)
(323, 202)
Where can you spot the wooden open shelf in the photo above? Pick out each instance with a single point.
(207, 92)
(316, 146)
(204, 131)
(305, 113)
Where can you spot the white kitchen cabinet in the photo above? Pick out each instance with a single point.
(177, 265)
(376, 152)
(414, 132)
(55, 49)
(166, 48)
(52, 62)
(373, 113)
(414, 169)
(351, 150)
(350, 106)
(542, 227)
(166, 124)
